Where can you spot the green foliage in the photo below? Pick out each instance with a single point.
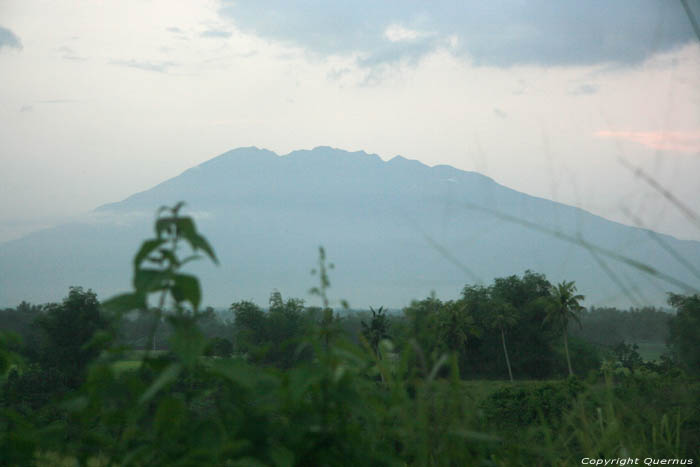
(495, 328)
(329, 320)
(437, 328)
(522, 405)
(455, 326)
(422, 327)
(377, 329)
(609, 326)
(250, 324)
(272, 337)
(9, 342)
(33, 387)
(71, 334)
(219, 347)
(157, 264)
(292, 389)
(529, 344)
(17, 439)
(562, 307)
(685, 331)
(19, 330)
(628, 356)
(641, 415)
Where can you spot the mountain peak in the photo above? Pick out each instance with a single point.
(400, 160)
(328, 152)
(247, 153)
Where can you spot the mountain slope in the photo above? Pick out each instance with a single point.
(395, 230)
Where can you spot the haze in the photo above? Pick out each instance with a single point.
(556, 99)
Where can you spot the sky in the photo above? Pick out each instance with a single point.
(594, 104)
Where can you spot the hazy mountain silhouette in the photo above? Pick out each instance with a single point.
(395, 230)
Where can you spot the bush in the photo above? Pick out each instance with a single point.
(525, 404)
(219, 347)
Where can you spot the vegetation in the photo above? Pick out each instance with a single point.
(148, 378)
(563, 307)
(685, 331)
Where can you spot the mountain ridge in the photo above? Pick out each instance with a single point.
(393, 228)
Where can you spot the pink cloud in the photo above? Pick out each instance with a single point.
(678, 141)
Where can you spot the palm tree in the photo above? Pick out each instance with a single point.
(502, 316)
(564, 305)
(455, 325)
(376, 330)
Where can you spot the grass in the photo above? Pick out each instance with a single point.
(133, 359)
(126, 365)
(651, 351)
(479, 389)
(53, 459)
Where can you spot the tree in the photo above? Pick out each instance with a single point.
(522, 296)
(219, 347)
(503, 315)
(520, 291)
(420, 316)
(564, 306)
(276, 302)
(534, 356)
(67, 331)
(285, 328)
(250, 326)
(628, 355)
(376, 330)
(685, 331)
(455, 326)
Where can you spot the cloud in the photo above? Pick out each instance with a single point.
(398, 33)
(338, 73)
(584, 89)
(159, 67)
(9, 39)
(178, 33)
(500, 33)
(499, 113)
(675, 141)
(216, 33)
(69, 54)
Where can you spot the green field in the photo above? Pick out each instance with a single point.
(651, 351)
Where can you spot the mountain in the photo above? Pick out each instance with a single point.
(395, 230)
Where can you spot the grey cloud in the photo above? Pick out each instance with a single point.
(159, 67)
(69, 54)
(337, 74)
(26, 108)
(9, 39)
(177, 33)
(497, 33)
(216, 33)
(584, 89)
(499, 113)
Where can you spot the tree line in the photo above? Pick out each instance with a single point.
(519, 326)
(304, 385)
